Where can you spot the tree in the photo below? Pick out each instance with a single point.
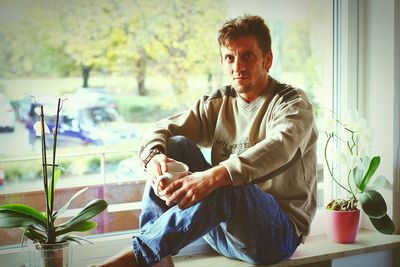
(81, 28)
(23, 51)
(186, 34)
(174, 37)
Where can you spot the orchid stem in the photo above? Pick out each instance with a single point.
(329, 168)
(44, 163)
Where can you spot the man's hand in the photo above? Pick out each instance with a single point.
(157, 166)
(196, 186)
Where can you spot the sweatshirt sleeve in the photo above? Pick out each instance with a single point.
(291, 130)
(195, 124)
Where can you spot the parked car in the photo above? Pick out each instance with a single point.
(99, 95)
(83, 123)
(7, 115)
(23, 109)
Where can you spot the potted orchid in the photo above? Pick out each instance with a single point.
(349, 141)
(50, 238)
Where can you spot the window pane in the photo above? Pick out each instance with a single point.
(121, 66)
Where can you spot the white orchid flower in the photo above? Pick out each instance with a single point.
(340, 157)
(328, 124)
(377, 182)
(354, 161)
(38, 128)
(359, 125)
(348, 117)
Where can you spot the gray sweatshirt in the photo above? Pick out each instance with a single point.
(270, 141)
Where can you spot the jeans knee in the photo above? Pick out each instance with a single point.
(178, 144)
(177, 140)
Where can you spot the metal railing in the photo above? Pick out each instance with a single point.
(101, 154)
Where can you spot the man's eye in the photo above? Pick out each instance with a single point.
(247, 56)
(229, 58)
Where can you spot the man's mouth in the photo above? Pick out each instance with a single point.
(240, 78)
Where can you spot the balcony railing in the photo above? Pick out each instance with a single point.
(123, 196)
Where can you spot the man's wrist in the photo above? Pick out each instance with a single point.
(221, 176)
(147, 158)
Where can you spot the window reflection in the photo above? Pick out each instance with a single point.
(139, 68)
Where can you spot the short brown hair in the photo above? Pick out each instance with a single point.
(245, 26)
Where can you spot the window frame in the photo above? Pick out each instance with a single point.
(349, 72)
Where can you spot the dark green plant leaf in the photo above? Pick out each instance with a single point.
(26, 210)
(57, 173)
(384, 224)
(78, 227)
(75, 238)
(39, 227)
(373, 204)
(35, 235)
(18, 215)
(93, 208)
(65, 207)
(9, 219)
(373, 166)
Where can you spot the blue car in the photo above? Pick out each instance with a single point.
(82, 125)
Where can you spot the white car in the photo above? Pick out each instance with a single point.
(7, 115)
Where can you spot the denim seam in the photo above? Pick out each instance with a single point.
(276, 226)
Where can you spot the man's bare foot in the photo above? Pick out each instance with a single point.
(126, 258)
(165, 262)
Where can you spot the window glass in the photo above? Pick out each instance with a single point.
(119, 66)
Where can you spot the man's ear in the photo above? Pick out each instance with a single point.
(268, 61)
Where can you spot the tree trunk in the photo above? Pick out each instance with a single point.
(210, 81)
(179, 84)
(141, 74)
(85, 75)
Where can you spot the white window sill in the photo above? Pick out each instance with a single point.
(316, 249)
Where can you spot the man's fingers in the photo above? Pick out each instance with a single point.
(172, 187)
(186, 201)
(175, 192)
(163, 167)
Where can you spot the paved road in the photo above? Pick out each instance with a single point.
(15, 143)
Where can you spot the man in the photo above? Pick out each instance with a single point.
(257, 199)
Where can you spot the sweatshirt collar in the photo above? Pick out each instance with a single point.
(267, 94)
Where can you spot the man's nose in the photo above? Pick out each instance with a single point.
(238, 65)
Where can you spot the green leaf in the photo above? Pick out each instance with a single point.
(78, 227)
(357, 174)
(75, 238)
(373, 204)
(9, 219)
(35, 234)
(57, 173)
(376, 183)
(65, 207)
(27, 211)
(89, 211)
(384, 224)
(373, 166)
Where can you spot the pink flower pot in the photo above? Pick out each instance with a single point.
(342, 226)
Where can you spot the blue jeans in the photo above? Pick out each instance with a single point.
(240, 222)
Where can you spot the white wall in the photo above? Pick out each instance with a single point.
(379, 85)
(374, 259)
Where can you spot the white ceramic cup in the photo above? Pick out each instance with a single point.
(175, 171)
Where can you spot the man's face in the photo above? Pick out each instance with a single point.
(246, 66)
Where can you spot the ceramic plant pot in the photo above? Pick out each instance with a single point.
(342, 226)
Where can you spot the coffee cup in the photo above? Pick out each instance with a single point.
(175, 171)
